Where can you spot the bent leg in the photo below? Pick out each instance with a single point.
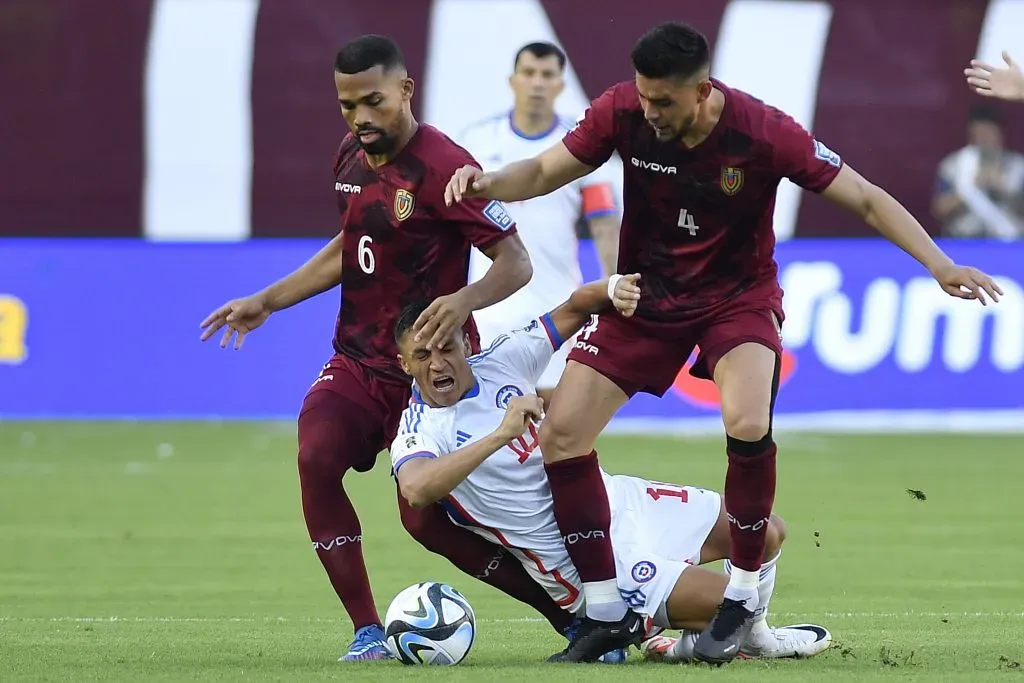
(695, 598)
(474, 555)
(583, 404)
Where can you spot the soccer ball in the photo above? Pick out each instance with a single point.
(430, 623)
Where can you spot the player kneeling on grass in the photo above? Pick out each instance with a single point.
(469, 441)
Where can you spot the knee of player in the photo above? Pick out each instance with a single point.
(747, 425)
(318, 461)
(556, 442)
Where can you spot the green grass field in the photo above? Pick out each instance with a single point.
(176, 551)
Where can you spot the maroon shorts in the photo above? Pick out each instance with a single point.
(379, 400)
(646, 356)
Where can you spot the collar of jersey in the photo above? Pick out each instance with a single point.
(473, 392)
(538, 136)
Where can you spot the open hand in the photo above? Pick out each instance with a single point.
(991, 81)
(966, 282)
(442, 317)
(468, 181)
(627, 294)
(240, 316)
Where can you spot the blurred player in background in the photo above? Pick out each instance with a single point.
(546, 224)
(398, 243)
(992, 81)
(492, 480)
(702, 162)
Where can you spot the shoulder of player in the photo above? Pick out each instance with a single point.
(485, 126)
(765, 125)
(624, 96)
(418, 417)
(442, 155)
(347, 148)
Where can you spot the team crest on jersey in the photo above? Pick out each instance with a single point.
(643, 571)
(732, 180)
(405, 202)
(506, 394)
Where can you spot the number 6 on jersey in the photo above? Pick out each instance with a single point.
(366, 260)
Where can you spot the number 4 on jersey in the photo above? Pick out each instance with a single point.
(687, 223)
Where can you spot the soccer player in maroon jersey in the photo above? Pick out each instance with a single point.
(702, 162)
(398, 244)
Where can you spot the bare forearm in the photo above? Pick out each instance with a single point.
(605, 231)
(434, 478)
(509, 272)
(518, 181)
(587, 300)
(896, 224)
(319, 274)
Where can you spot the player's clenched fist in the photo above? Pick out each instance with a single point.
(625, 293)
(241, 316)
(468, 181)
(521, 411)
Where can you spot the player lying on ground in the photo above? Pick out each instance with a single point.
(398, 243)
(469, 440)
(702, 165)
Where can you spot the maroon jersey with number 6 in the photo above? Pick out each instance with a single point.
(697, 223)
(401, 243)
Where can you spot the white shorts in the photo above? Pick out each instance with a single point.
(498, 319)
(657, 530)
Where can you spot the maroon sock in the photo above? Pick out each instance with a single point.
(583, 515)
(332, 436)
(474, 555)
(749, 496)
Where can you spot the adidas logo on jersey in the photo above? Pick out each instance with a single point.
(461, 438)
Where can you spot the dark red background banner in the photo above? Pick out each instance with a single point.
(891, 99)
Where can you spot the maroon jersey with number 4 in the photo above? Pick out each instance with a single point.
(697, 223)
(401, 243)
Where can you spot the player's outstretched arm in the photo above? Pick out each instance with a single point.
(509, 272)
(992, 81)
(886, 215)
(424, 481)
(519, 180)
(620, 291)
(241, 316)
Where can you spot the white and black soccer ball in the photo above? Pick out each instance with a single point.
(430, 623)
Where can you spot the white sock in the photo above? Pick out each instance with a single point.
(682, 650)
(765, 584)
(742, 587)
(603, 600)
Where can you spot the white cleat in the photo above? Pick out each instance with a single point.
(800, 640)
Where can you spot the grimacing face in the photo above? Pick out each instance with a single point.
(671, 105)
(442, 374)
(536, 83)
(375, 104)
